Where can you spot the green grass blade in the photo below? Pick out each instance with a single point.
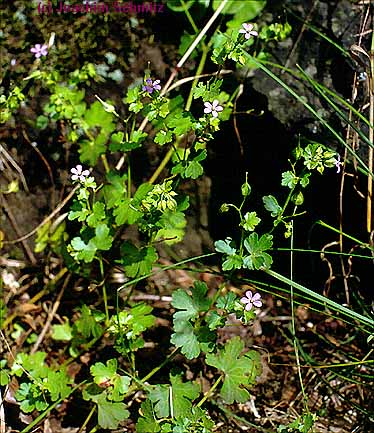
(333, 305)
(309, 108)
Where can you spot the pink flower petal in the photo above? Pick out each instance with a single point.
(248, 307)
(256, 297)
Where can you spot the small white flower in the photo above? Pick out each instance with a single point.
(251, 300)
(9, 280)
(248, 31)
(213, 108)
(338, 164)
(79, 173)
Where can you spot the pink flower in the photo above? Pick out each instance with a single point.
(40, 50)
(79, 174)
(213, 108)
(150, 85)
(251, 300)
(248, 31)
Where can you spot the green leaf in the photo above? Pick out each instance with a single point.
(30, 397)
(87, 324)
(97, 215)
(181, 122)
(110, 414)
(104, 373)
(232, 262)
(226, 302)
(128, 209)
(163, 137)
(136, 139)
(182, 396)
(116, 190)
(90, 151)
(173, 227)
(83, 251)
(78, 211)
(191, 306)
(102, 239)
(214, 320)
(272, 205)
(159, 396)
(116, 141)
(239, 371)
(130, 324)
(58, 384)
(96, 116)
(289, 179)
(185, 337)
(126, 212)
(147, 423)
(178, 6)
(186, 41)
(225, 247)
(137, 262)
(194, 169)
(4, 377)
(191, 340)
(62, 332)
(133, 98)
(120, 387)
(208, 92)
(250, 221)
(34, 364)
(42, 122)
(242, 11)
(256, 248)
(305, 180)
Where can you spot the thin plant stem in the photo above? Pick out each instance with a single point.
(171, 151)
(162, 165)
(189, 17)
(105, 163)
(369, 203)
(180, 65)
(105, 297)
(210, 392)
(128, 178)
(293, 325)
(89, 416)
(158, 368)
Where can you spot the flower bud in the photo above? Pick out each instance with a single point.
(298, 198)
(246, 189)
(224, 208)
